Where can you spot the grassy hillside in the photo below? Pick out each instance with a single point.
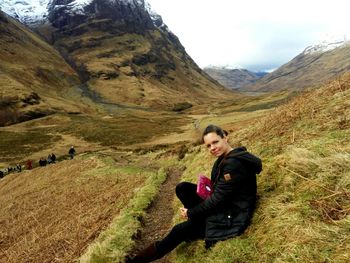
(56, 133)
(97, 71)
(303, 208)
(34, 78)
(74, 201)
(304, 202)
(306, 70)
(148, 69)
(92, 207)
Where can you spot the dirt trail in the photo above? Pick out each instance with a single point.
(158, 220)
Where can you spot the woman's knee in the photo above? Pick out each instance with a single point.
(184, 187)
(183, 191)
(180, 187)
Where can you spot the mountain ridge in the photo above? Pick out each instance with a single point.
(315, 65)
(233, 78)
(35, 79)
(125, 55)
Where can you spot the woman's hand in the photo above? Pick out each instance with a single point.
(183, 212)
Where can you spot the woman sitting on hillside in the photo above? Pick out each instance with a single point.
(226, 212)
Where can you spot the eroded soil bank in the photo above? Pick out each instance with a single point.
(158, 220)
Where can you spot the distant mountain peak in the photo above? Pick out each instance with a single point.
(232, 77)
(317, 64)
(156, 18)
(225, 67)
(32, 12)
(330, 43)
(26, 11)
(76, 6)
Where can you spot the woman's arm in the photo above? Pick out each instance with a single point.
(229, 180)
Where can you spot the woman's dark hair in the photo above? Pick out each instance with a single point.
(212, 128)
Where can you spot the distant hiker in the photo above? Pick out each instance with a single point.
(42, 161)
(53, 157)
(226, 212)
(29, 164)
(49, 159)
(19, 168)
(71, 152)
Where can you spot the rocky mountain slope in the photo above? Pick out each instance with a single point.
(312, 67)
(232, 78)
(123, 53)
(34, 78)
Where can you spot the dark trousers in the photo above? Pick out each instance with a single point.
(185, 231)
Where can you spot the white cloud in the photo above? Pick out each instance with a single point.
(254, 34)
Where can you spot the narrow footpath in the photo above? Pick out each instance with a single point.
(158, 220)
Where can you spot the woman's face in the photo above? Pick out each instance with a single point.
(216, 145)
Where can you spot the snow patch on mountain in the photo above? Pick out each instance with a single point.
(332, 42)
(32, 12)
(26, 11)
(77, 6)
(74, 8)
(132, 2)
(154, 16)
(226, 66)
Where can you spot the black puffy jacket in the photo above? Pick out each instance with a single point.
(231, 205)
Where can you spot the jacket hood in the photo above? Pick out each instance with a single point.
(253, 162)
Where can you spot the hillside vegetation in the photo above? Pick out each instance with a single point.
(97, 71)
(304, 203)
(150, 70)
(305, 70)
(91, 208)
(303, 213)
(133, 103)
(88, 206)
(45, 77)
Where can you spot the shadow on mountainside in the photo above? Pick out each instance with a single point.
(158, 220)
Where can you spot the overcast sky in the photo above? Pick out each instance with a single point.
(252, 34)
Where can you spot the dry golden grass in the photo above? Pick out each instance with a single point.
(303, 212)
(52, 213)
(305, 117)
(113, 243)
